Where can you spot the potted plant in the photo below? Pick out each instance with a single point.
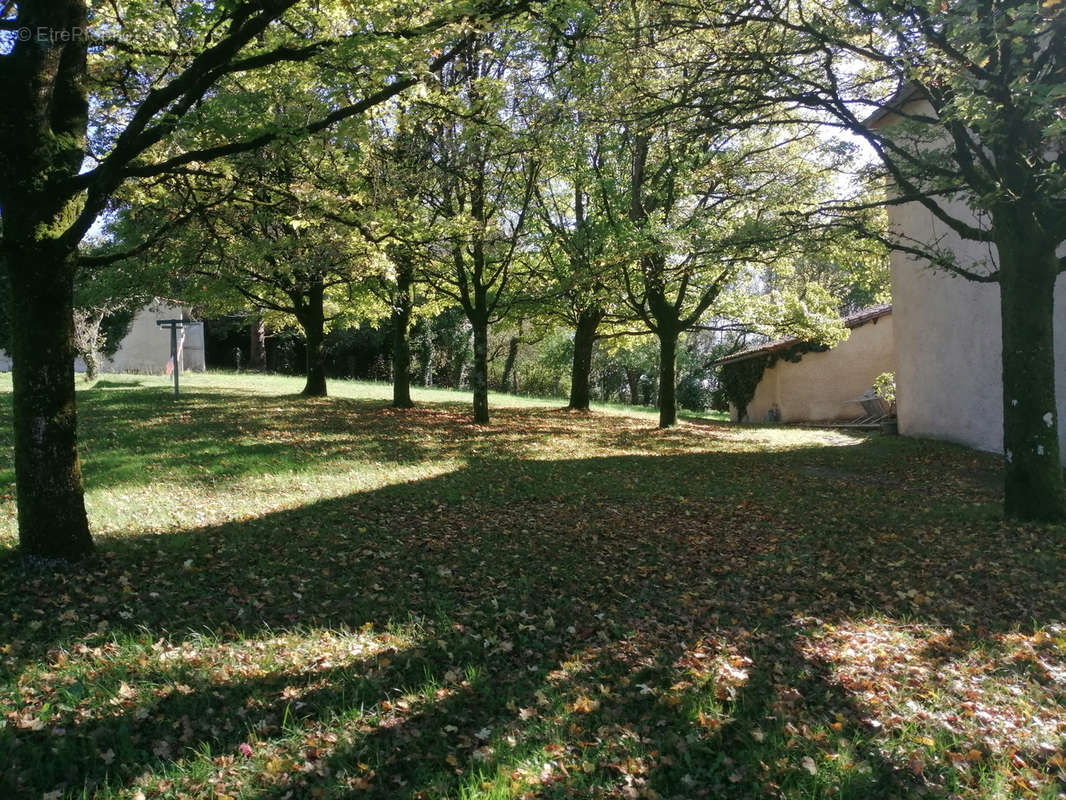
(885, 387)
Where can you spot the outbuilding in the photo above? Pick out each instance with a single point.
(807, 383)
(146, 347)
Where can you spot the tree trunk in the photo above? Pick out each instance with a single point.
(42, 146)
(580, 374)
(51, 505)
(633, 379)
(257, 344)
(427, 349)
(508, 364)
(1033, 487)
(479, 373)
(667, 385)
(401, 345)
(312, 319)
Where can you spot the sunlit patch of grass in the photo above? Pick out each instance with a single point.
(982, 710)
(171, 503)
(237, 446)
(787, 437)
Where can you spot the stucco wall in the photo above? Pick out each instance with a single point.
(146, 348)
(949, 380)
(820, 386)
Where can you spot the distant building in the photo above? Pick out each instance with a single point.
(146, 347)
(822, 386)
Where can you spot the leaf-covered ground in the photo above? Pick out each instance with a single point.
(330, 598)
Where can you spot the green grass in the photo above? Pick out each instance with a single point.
(332, 598)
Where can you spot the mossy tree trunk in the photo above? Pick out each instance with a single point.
(42, 145)
(52, 519)
(1033, 486)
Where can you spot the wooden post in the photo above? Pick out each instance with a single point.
(174, 355)
(175, 325)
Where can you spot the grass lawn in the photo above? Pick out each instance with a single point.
(330, 598)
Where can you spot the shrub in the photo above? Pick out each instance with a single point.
(885, 386)
(692, 394)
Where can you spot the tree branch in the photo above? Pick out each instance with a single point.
(255, 143)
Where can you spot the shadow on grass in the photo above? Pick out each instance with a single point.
(122, 385)
(572, 626)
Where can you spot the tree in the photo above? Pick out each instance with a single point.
(271, 246)
(157, 98)
(701, 214)
(697, 182)
(628, 365)
(975, 87)
(854, 269)
(402, 307)
(376, 186)
(484, 175)
(574, 237)
(443, 352)
(393, 216)
(575, 250)
(104, 304)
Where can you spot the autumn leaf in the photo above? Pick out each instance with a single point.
(584, 705)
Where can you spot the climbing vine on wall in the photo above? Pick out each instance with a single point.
(738, 380)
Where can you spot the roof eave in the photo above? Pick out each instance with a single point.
(901, 96)
(851, 322)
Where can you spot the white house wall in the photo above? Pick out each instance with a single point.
(949, 381)
(146, 347)
(820, 387)
(948, 335)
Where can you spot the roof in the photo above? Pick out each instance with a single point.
(859, 318)
(899, 98)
